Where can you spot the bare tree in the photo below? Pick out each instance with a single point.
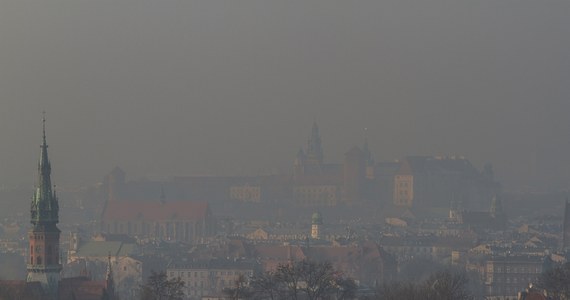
(556, 282)
(442, 285)
(399, 290)
(445, 285)
(159, 287)
(266, 286)
(303, 280)
(240, 290)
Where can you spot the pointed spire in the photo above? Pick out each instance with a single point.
(44, 208)
(367, 154)
(44, 126)
(109, 282)
(314, 147)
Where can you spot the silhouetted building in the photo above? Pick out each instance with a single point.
(506, 276)
(433, 182)
(182, 221)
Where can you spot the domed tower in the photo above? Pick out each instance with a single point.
(317, 222)
(44, 263)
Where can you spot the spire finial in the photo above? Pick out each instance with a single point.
(44, 125)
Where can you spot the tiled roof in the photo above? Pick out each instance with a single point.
(280, 252)
(144, 210)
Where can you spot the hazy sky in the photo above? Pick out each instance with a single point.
(179, 87)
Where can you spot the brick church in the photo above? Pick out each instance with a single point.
(44, 266)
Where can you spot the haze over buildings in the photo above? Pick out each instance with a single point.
(188, 87)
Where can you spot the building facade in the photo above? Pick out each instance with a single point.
(506, 276)
(427, 182)
(210, 278)
(181, 221)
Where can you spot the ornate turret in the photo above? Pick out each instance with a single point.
(44, 259)
(314, 147)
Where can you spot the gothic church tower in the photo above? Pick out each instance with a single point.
(44, 261)
(314, 148)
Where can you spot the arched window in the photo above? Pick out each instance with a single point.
(31, 260)
(39, 260)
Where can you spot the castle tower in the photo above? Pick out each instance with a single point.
(316, 223)
(314, 147)
(115, 183)
(44, 260)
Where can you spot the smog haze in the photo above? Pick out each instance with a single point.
(163, 88)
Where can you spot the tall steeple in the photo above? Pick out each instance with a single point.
(45, 207)
(366, 151)
(314, 147)
(44, 261)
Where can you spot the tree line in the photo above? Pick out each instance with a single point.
(308, 280)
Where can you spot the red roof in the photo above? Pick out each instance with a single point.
(81, 288)
(143, 210)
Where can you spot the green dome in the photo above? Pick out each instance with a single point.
(317, 218)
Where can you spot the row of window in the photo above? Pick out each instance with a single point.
(508, 269)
